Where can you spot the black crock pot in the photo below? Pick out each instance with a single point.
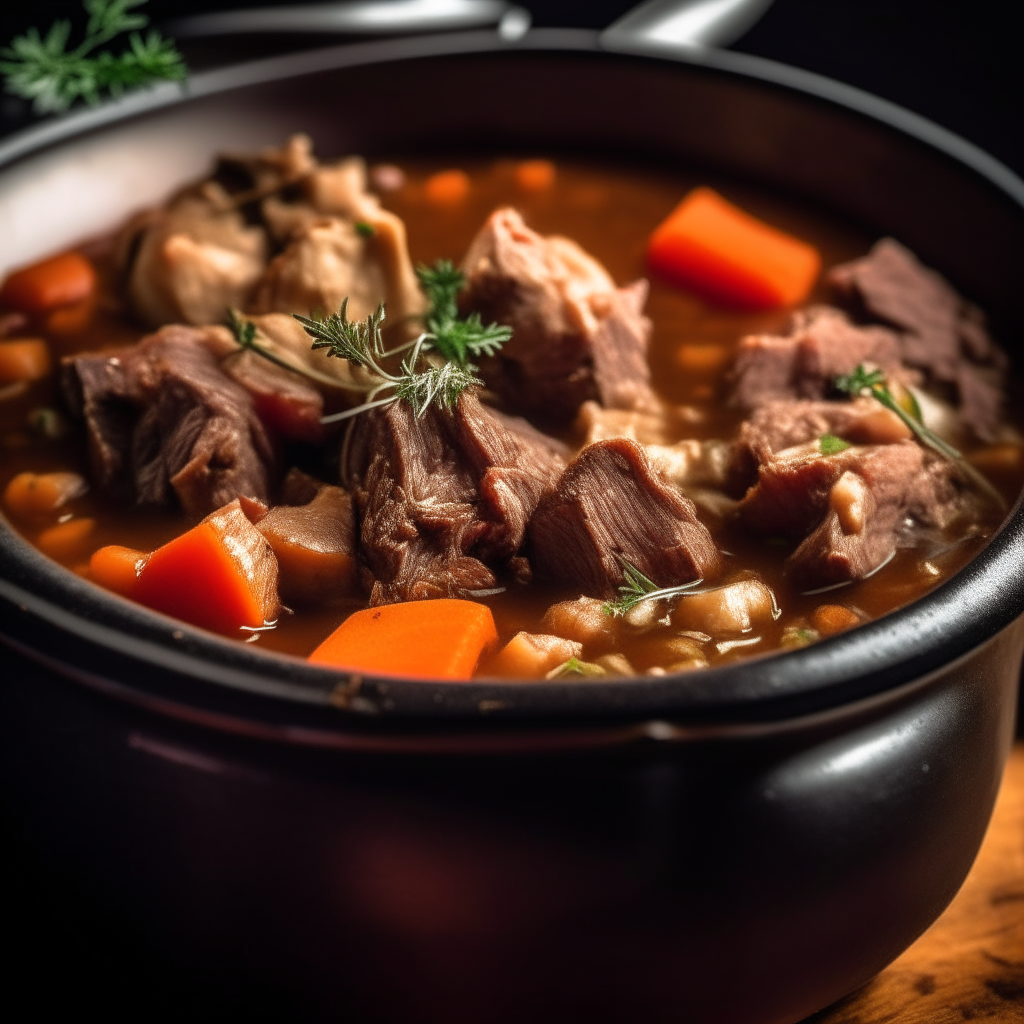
(243, 832)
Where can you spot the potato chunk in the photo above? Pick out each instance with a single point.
(533, 655)
(735, 608)
(581, 620)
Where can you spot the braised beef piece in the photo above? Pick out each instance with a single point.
(286, 403)
(575, 335)
(939, 332)
(822, 344)
(164, 421)
(853, 508)
(443, 499)
(777, 425)
(612, 505)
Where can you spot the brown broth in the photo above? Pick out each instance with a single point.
(610, 211)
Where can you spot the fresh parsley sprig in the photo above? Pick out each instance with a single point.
(873, 382)
(457, 339)
(639, 587)
(43, 70)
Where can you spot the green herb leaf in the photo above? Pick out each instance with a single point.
(639, 587)
(832, 445)
(357, 341)
(438, 384)
(457, 339)
(576, 667)
(41, 68)
(364, 230)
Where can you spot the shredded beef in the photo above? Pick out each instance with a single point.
(575, 335)
(822, 345)
(443, 499)
(612, 505)
(900, 485)
(164, 421)
(939, 332)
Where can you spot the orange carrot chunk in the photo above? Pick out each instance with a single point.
(58, 281)
(447, 188)
(24, 359)
(726, 255)
(117, 568)
(220, 575)
(535, 175)
(440, 639)
(66, 541)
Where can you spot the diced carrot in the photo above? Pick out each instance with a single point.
(59, 281)
(446, 188)
(440, 639)
(829, 619)
(727, 255)
(535, 175)
(70, 319)
(702, 359)
(220, 575)
(40, 495)
(66, 541)
(24, 359)
(117, 568)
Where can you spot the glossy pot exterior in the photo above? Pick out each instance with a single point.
(743, 846)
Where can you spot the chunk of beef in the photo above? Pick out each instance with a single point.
(613, 505)
(192, 260)
(163, 420)
(329, 260)
(575, 335)
(853, 508)
(443, 499)
(822, 345)
(785, 423)
(315, 544)
(285, 402)
(939, 332)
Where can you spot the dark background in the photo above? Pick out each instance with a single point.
(957, 63)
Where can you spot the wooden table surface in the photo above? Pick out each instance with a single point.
(970, 964)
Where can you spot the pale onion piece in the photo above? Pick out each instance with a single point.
(615, 664)
(734, 608)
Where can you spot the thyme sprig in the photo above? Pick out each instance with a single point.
(436, 368)
(43, 70)
(417, 381)
(873, 382)
(457, 339)
(639, 587)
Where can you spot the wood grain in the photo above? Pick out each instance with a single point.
(970, 964)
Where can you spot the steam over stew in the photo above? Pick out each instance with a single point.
(437, 421)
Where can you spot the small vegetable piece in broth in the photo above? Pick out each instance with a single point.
(534, 175)
(531, 655)
(727, 255)
(220, 575)
(24, 359)
(42, 495)
(117, 568)
(447, 188)
(58, 281)
(440, 639)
